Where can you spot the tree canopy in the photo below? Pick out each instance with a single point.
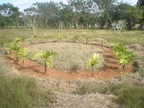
(86, 14)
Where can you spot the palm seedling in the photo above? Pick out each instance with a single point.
(87, 39)
(61, 37)
(47, 57)
(15, 48)
(125, 56)
(76, 38)
(126, 59)
(24, 55)
(94, 61)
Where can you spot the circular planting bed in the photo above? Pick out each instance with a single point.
(71, 62)
(70, 56)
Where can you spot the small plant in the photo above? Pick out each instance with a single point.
(76, 38)
(94, 62)
(24, 54)
(15, 48)
(47, 57)
(120, 49)
(61, 37)
(20, 39)
(126, 57)
(87, 39)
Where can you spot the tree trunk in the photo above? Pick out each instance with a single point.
(17, 60)
(92, 72)
(34, 31)
(45, 67)
(123, 67)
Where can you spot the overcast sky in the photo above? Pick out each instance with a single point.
(23, 4)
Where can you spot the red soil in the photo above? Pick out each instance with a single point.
(112, 69)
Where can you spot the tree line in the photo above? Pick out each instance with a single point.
(77, 14)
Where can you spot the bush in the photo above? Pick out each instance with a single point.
(22, 92)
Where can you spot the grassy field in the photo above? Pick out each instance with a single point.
(127, 37)
(24, 92)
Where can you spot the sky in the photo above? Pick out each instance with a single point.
(23, 4)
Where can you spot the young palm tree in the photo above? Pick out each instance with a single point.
(94, 62)
(15, 48)
(47, 57)
(24, 54)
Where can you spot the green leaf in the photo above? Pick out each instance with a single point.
(94, 60)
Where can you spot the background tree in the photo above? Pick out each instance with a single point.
(48, 13)
(30, 19)
(140, 4)
(9, 15)
(104, 7)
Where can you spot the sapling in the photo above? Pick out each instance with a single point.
(120, 48)
(76, 38)
(24, 55)
(15, 48)
(61, 37)
(47, 57)
(20, 39)
(125, 56)
(126, 59)
(94, 61)
(87, 39)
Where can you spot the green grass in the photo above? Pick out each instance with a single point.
(22, 92)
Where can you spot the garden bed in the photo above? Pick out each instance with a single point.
(110, 66)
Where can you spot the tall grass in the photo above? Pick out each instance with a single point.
(22, 92)
(128, 95)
